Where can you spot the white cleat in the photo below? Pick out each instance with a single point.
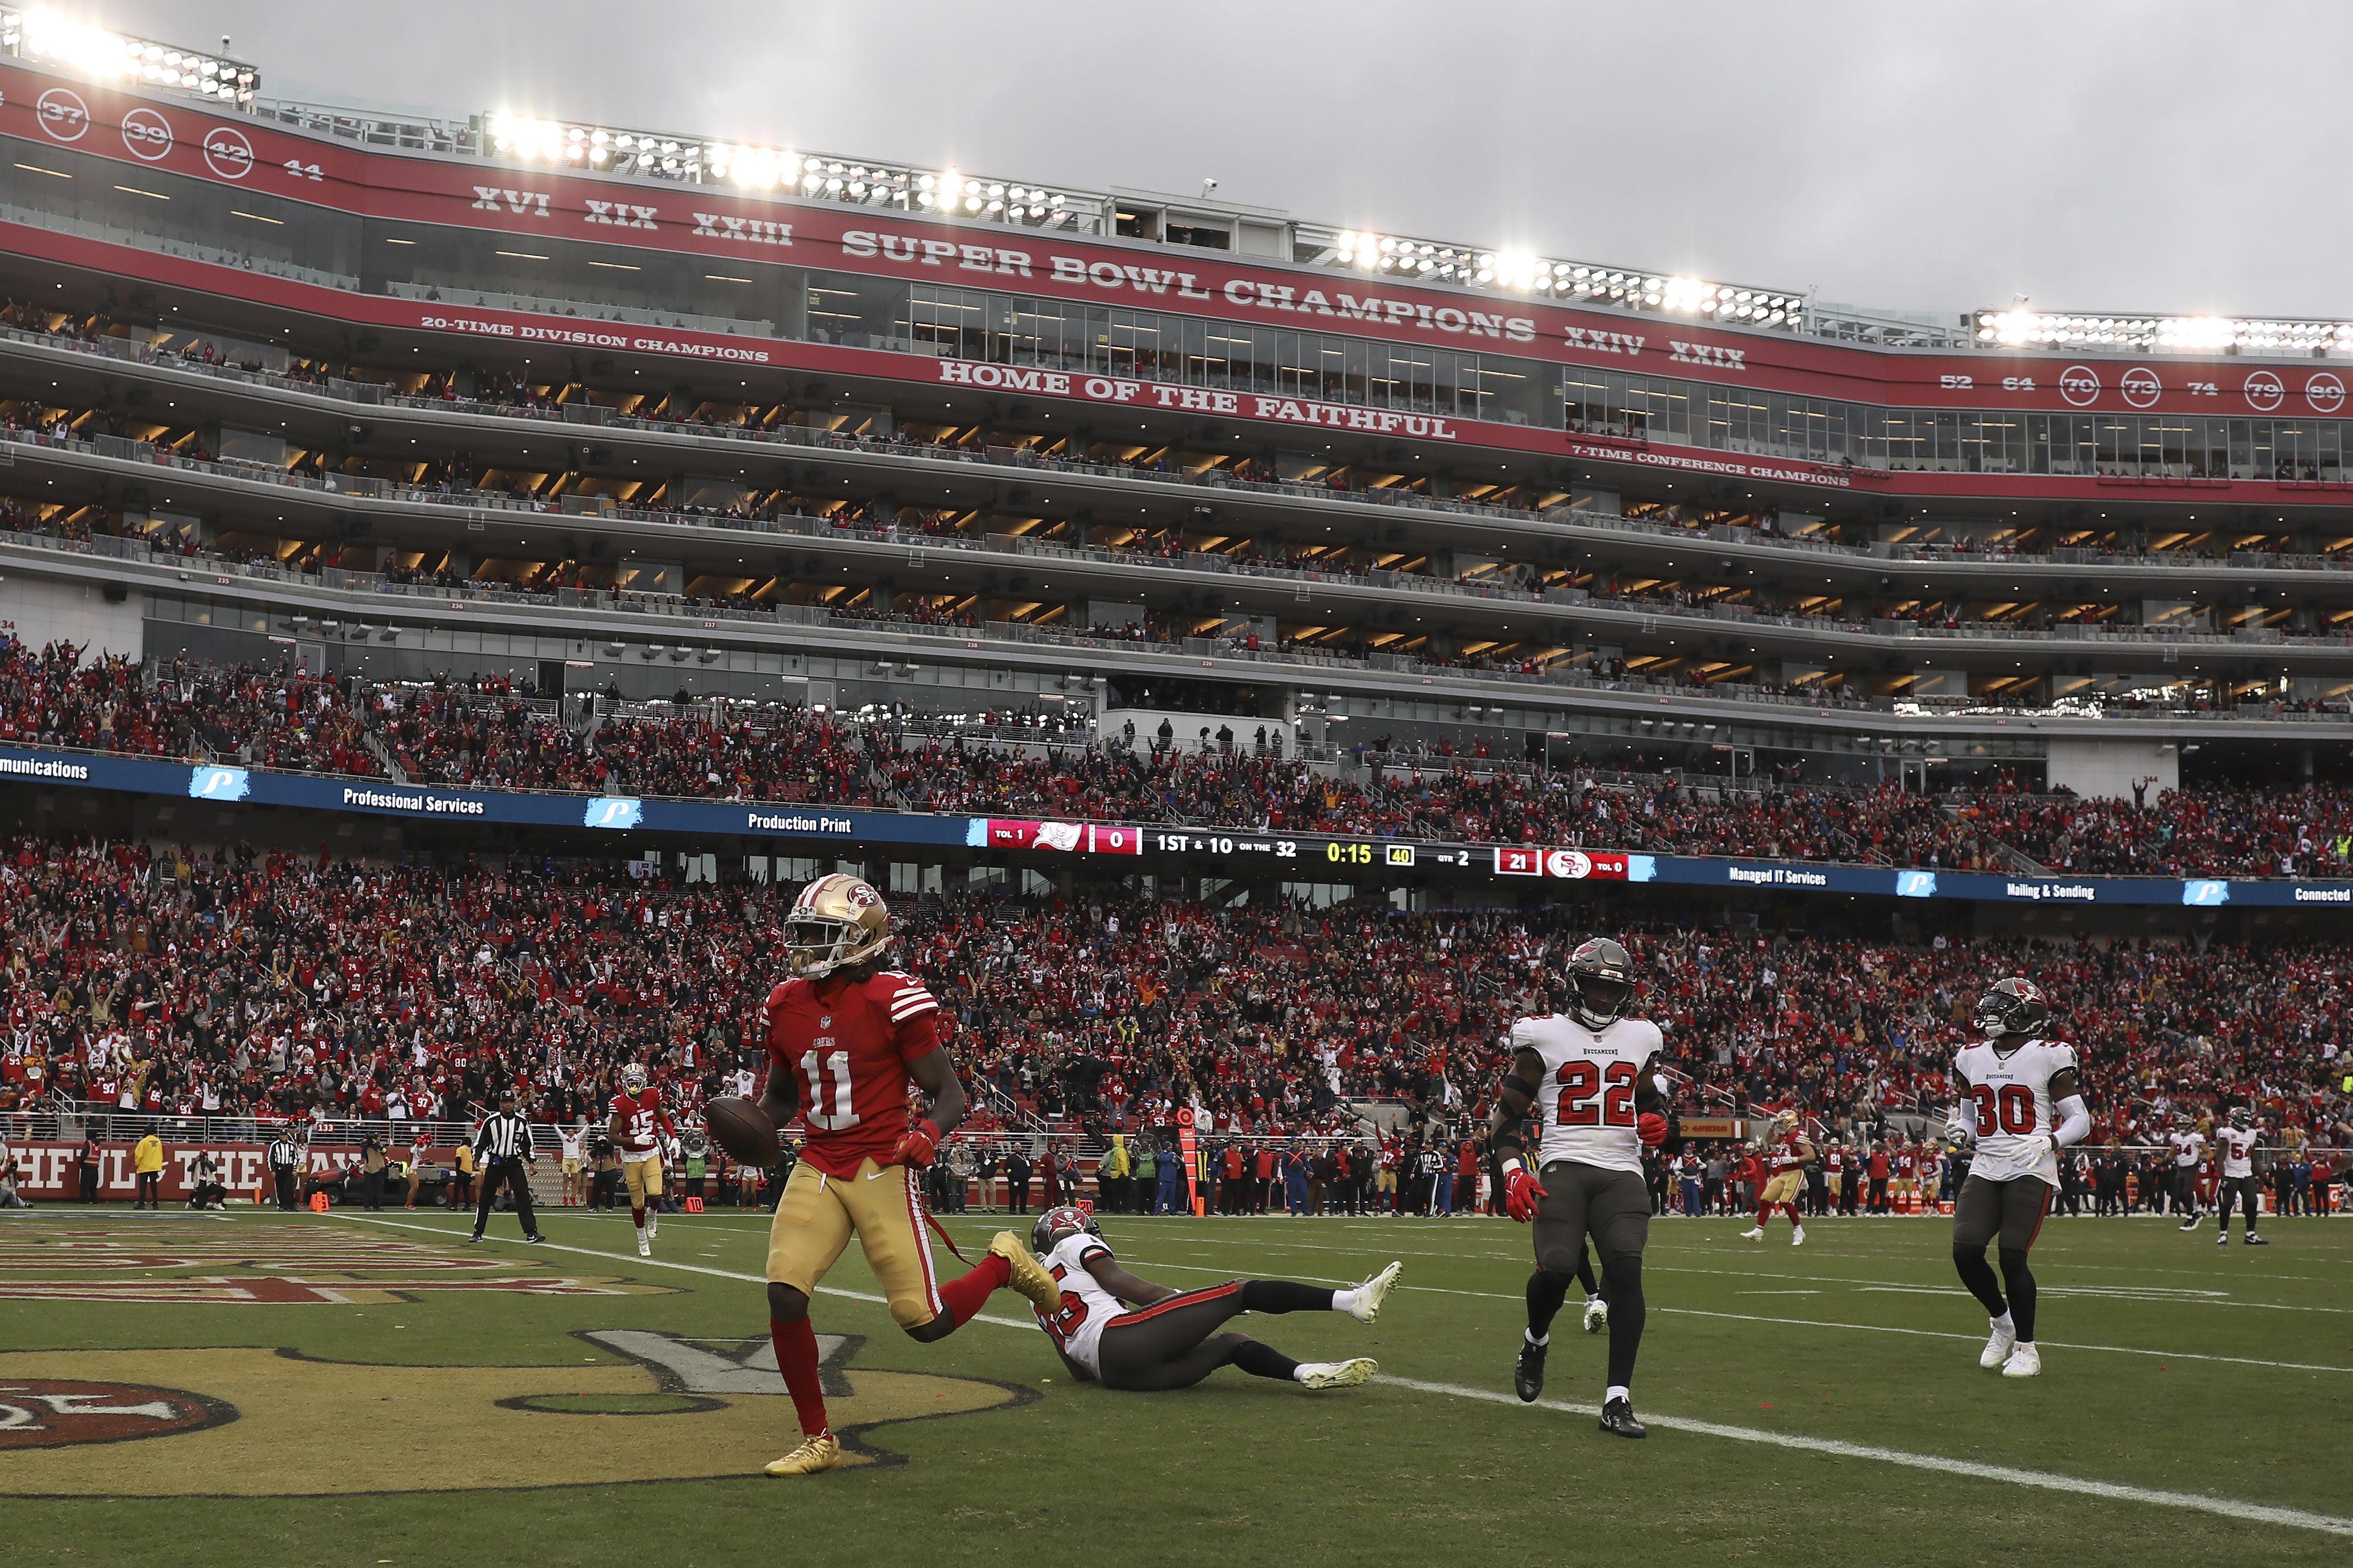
(1755, 1234)
(2024, 1361)
(1597, 1314)
(1337, 1373)
(645, 1245)
(1372, 1293)
(1798, 1236)
(1997, 1345)
(653, 1225)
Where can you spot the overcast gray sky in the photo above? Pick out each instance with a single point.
(2091, 155)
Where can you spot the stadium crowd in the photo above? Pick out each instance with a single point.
(492, 733)
(169, 984)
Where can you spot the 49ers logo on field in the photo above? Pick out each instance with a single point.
(52, 1412)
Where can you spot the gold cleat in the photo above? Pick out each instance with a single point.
(821, 1452)
(1029, 1276)
(1337, 1374)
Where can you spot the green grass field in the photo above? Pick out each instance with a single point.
(1821, 1404)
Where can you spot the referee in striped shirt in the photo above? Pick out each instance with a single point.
(502, 1149)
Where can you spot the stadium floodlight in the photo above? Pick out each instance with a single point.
(125, 58)
(810, 176)
(2030, 329)
(1552, 278)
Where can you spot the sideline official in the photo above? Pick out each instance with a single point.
(284, 1153)
(502, 1149)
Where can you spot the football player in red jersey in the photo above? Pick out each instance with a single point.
(845, 1038)
(1785, 1152)
(638, 1120)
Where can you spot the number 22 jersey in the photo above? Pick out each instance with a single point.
(2011, 1096)
(1585, 1097)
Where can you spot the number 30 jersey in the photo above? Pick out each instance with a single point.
(845, 1045)
(1584, 1100)
(2009, 1095)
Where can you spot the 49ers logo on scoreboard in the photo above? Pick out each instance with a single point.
(1575, 865)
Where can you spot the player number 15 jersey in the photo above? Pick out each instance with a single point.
(1586, 1097)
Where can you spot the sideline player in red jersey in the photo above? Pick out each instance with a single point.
(845, 1038)
(638, 1120)
(1788, 1155)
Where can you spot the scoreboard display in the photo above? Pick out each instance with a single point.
(1306, 855)
(1311, 852)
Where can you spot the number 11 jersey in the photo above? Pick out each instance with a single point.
(845, 1044)
(1585, 1099)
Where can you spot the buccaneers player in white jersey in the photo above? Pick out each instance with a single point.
(1585, 1075)
(1169, 1338)
(845, 1038)
(2236, 1146)
(2022, 1106)
(639, 1121)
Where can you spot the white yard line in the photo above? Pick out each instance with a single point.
(2258, 1513)
(2296, 1518)
(633, 1259)
(1818, 1323)
(1973, 1339)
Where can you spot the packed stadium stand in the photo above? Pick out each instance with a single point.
(460, 574)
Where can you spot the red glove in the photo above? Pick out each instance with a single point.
(918, 1146)
(1520, 1193)
(1652, 1128)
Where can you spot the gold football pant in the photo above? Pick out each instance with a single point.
(814, 1221)
(644, 1177)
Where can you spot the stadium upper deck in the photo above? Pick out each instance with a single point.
(1283, 454)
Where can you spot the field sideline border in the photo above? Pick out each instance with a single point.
(2258, 1513)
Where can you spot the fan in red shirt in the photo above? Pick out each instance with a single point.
(847, 1040)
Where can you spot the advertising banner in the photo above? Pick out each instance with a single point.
(1317, 855)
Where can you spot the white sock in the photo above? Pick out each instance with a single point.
(1343, 1301)
(1617, 1390)
(1538, 1343)
(2003, 1321)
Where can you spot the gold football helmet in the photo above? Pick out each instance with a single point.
(837, 921)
